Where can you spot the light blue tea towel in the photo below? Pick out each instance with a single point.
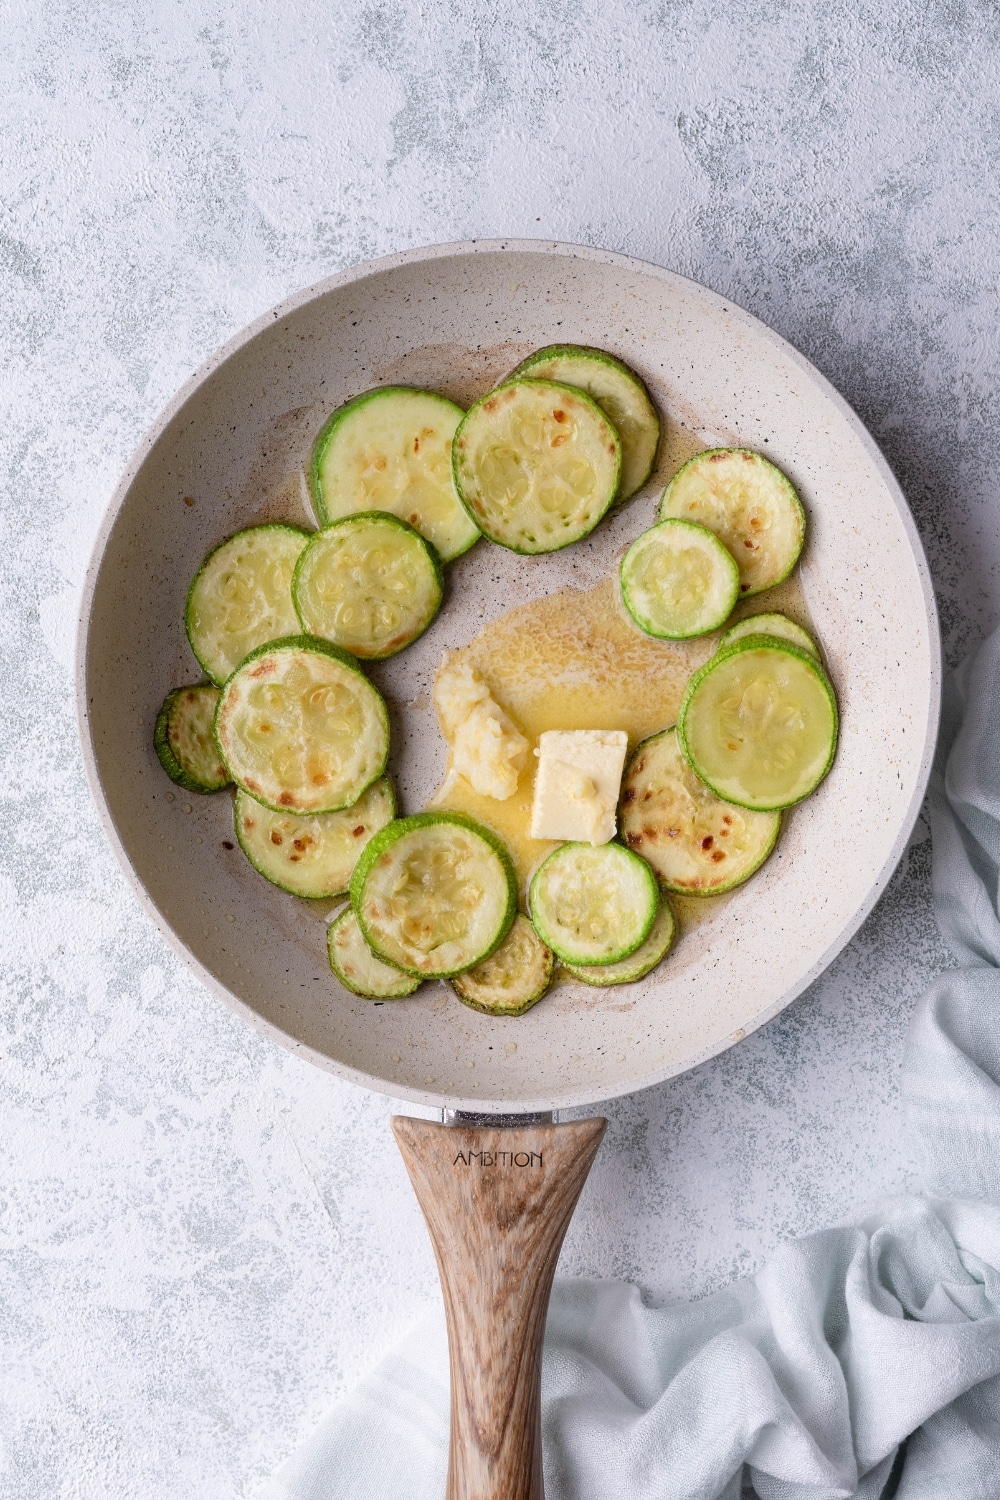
(808, 1378)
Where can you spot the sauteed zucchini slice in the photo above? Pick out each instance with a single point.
(301, 728)
(241, 597)
(649, 953)
(678, 581)
(536, 465)
(697, 844)
(619, 393)
(185, 741)
(356, 966)
(758, 723)
(390, 449)
(435, 894)
(369, 583)
(749, 504)
(513, 978)
(311, 856)
(593, 905)
(773, 624)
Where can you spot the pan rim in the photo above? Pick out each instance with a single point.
(560, 1098)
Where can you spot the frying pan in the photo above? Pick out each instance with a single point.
(498, 1178)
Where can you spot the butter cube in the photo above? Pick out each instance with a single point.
(486, 746)
(577, 783)
(489, 752)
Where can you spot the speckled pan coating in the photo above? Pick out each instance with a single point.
(457, 318)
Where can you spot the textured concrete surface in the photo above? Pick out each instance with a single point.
(204, 1240)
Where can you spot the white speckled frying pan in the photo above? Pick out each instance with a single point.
(229, 451)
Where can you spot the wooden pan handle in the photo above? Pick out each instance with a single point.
(498, 1202)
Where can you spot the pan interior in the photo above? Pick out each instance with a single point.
(231, 453)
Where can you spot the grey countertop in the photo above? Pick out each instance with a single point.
(205, 1240)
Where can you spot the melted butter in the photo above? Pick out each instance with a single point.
(510, 820)
(575, 660)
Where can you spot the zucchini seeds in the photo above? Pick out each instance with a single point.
(301, 728)
(619, 393)
(678, 581)
(758, 724)
(651, 951)
(697, 844)
(357, 967)
(536, 465)
(749, 504)
(593, 905)
(369, 583)
(390, 449)
(241, 597)
(434, 894)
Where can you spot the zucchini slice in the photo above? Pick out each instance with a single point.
(369, 583)
(619, 393)
(758, 723)
(697, 844)
(241, 597)
(649, 953)
(774, 624)
(356, 966)
(390, 449)
(749, 504)
(512, 979)
(301, 728)
(593, 905)
(185, 742)
(536, 464)
(435, 894)
(678, 581)
(312, 857)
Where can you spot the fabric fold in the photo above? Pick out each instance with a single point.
(863, 1360)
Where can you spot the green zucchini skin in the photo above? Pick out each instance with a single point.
(748, 644)
(377, 527)
(647, 600)
(491, 987)
(358, 968)
(407, 956)
(373, 698)
(640, 435)
(515, 535)
(307, 836)
(219, 666)
(582, 863)
(183, 770)
(652, 951)
(452, 532)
